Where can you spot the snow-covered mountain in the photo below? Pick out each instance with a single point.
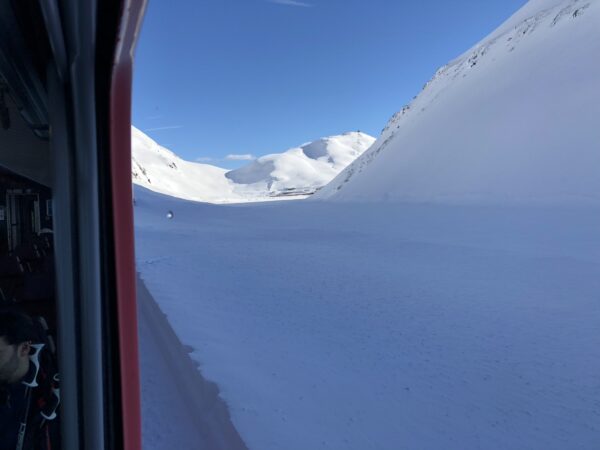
(304, 169)
(512, 120)
(297, 172)
(161, 170)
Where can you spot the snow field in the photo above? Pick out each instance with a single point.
(385, 326)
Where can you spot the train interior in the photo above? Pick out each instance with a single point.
(27, 264)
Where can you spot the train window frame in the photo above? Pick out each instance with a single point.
(67, 66)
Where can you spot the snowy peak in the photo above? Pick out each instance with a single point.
(302, 170)
(339, 151)
(511, 120)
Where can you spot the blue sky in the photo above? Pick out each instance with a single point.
(250, 77)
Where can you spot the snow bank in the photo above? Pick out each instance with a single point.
(179, 407)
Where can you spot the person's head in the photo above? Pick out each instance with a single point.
(16, 333)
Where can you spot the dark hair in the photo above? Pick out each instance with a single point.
(16, 327)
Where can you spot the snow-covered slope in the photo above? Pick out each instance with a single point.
(299, 171)
(161, 170)
(513, 120)
(303, 169)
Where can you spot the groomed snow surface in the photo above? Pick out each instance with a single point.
(386, 326)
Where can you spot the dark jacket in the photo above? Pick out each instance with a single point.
(41, 433)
